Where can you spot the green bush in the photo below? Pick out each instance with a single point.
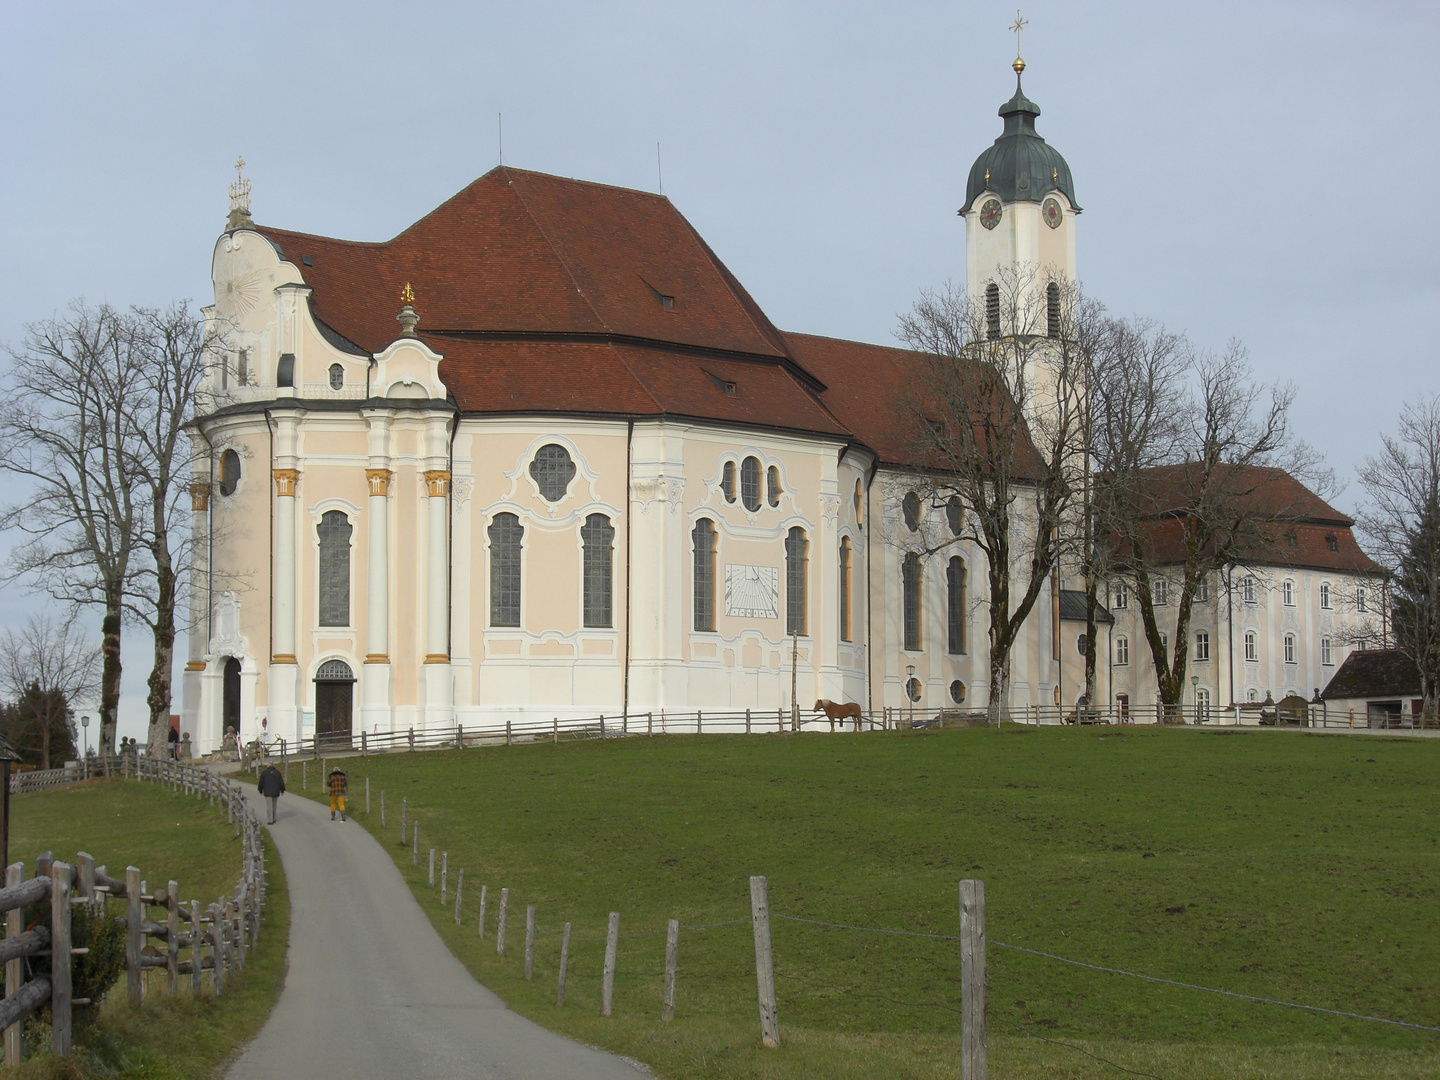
(92, 974)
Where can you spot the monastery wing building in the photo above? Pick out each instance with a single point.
(541, 455)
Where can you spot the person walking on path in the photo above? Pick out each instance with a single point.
(339, 785)
(272, 786)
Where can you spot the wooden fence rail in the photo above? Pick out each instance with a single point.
(189, 943)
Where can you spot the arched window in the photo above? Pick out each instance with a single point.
(955, 514)
(552, 470)
(1251, 696)
(1202, 703)
(727, 481)
(1287, 593)
(334, 532)
(703, 536)
(992, 311)
(957, 692)
(505, 534)
(1122, 651)
(337, 376)
(796, 551)
(1252, 650)
(955, 605)
(1202, 645)
(750, 484)
(1327, 655)
(1052, 310)
(859, 507)
(910, 510)
(772, 486)
(229, 472)
(845, 589)
(1289, 648)
(911, 575)
(598, 537)
(1325, 595)
(242, 367)
(1247, 589)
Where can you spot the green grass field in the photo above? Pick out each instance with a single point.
(167, 835)
(1277, 864)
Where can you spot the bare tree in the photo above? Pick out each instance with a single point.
(994, 423)
(1223, 500)
(173, 349)
(1402, 522)
(45, 668)
(63, 435)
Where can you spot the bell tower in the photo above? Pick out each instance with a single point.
(1020, 206)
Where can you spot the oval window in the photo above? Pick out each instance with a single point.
(229, 472)
(337, 376)
(772, 485)
(910, 508)
(912, 689)
(750, 483)
(957, 692)
(727, 481)
(955, 514)
(552, 470)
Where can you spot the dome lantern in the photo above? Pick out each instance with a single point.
(1020, 166)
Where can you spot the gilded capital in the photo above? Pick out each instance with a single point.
(200, 496)
(378, 480)
(285, 481)
(437, 482)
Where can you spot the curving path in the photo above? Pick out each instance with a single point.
(372, 991)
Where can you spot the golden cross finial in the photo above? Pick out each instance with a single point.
(407, 295)
(240, 189)
(1018, 25)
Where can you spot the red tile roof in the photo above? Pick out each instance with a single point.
(551, 295)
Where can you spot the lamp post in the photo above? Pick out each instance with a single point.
(85, 736)
(1195, 694)
(909, 693)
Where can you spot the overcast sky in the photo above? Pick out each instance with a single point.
(1252, 170)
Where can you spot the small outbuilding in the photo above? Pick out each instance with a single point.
(1375, 688)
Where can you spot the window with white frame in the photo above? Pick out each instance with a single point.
(1287, 593)
(1202, 645)
(1360, 604)
(597, 536)
(1202, 702)
(1121, 596)
(1160, 592)
(1247, 589)
(1251, 696)
(1252, 649)
(1327, 654)
(1122, 651)
(1325, 596)
(1202, 590)
(1289, 648)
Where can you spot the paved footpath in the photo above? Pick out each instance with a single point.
(372, 991)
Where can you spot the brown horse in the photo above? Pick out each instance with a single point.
(839, 710)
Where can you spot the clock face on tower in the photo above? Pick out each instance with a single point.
(990, 213)
(1053, 214)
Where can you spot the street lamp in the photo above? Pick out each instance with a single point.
(1195, 693)
(909, 693)
(85, 735)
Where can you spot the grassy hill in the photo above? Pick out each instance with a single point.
(1276, 864)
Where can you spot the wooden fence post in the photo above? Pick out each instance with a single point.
(432, 868)
(304, 776)
(500, 926)
(196, 948)
(60, 958)
(555, 729)
(480, 922)
(459, 893)
(507, 733)
(367, 794)
(529, 941)
(764, 964)
(172, 940)
(649, 723)
(404, 810)
(607, 984)
(747, 721)
(382, 808)
(564, 965)
(779, 719)
(365, 746)
(672, 946)
(14, 976)
(85, 876)
(444, 875)
(459, 736)
(972, 980)
(415, 845)
(134, 939)
(217, 950)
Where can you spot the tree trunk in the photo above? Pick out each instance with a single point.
(160, 675)
(1092, 602)
(110, 670)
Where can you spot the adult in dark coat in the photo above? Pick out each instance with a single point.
(272, 786)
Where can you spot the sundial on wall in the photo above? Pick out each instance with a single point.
(752, 592)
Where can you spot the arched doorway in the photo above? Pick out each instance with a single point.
(334, 698)
(230, 698)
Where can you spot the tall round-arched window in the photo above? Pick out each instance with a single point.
(910, 581)
(797, 550)
(597, 536)
(703, 536)
(910, 509)
(552, 470)
(229, 472)
(506, 533)
(750, 483)
(334, 535)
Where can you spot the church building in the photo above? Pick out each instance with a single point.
(542, 455)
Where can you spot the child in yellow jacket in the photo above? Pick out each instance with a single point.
(339, 785)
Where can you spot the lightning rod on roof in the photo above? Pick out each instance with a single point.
(500, 128)
(659, 176)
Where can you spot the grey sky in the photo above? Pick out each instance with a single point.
(1262, 171)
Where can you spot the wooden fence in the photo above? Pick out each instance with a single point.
(161, 931)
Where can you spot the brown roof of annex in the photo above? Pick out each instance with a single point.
(550, 295)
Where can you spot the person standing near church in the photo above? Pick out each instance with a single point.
(272, 786)
(339, 786)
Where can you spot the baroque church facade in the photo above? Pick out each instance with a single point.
(541, 455)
